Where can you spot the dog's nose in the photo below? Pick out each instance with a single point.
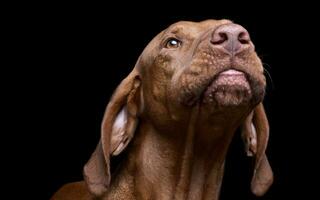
(231, 37)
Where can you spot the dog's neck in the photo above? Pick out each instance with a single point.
(185, 163)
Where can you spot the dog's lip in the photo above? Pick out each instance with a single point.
(233, 76)
(232, 72)
(229, 73)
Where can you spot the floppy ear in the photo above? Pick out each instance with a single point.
(255, 133)
(118, 127)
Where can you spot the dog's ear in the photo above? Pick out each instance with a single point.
(255, 133)
(118, 127)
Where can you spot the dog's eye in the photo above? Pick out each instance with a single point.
(173, 43)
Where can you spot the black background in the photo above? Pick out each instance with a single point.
(68, 59)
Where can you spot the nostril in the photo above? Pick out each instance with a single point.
(230, 38)
(244, 38)
(219, 38)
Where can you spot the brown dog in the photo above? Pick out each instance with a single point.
(191, 88)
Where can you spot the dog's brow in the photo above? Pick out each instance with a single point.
(184, 31)
(176, 30)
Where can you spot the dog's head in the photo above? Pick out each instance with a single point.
(210, 64)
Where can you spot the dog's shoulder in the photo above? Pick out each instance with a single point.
(71, 191)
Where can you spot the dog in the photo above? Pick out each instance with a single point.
(176, 113)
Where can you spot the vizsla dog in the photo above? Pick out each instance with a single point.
(192, 87)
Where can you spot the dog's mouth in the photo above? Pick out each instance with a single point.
(228, 88)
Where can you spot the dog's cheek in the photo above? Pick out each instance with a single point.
(154, 81)
(258, 73)
(162, 72)
(168, 61)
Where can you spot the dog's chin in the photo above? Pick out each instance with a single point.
(230, 88)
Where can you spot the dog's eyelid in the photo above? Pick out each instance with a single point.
(172, 42)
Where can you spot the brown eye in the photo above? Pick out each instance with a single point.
(173, 43)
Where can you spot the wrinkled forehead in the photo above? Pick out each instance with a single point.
(192, 29)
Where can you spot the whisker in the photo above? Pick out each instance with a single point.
(268, 75)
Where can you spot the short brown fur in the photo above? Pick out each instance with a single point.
(178, 144)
